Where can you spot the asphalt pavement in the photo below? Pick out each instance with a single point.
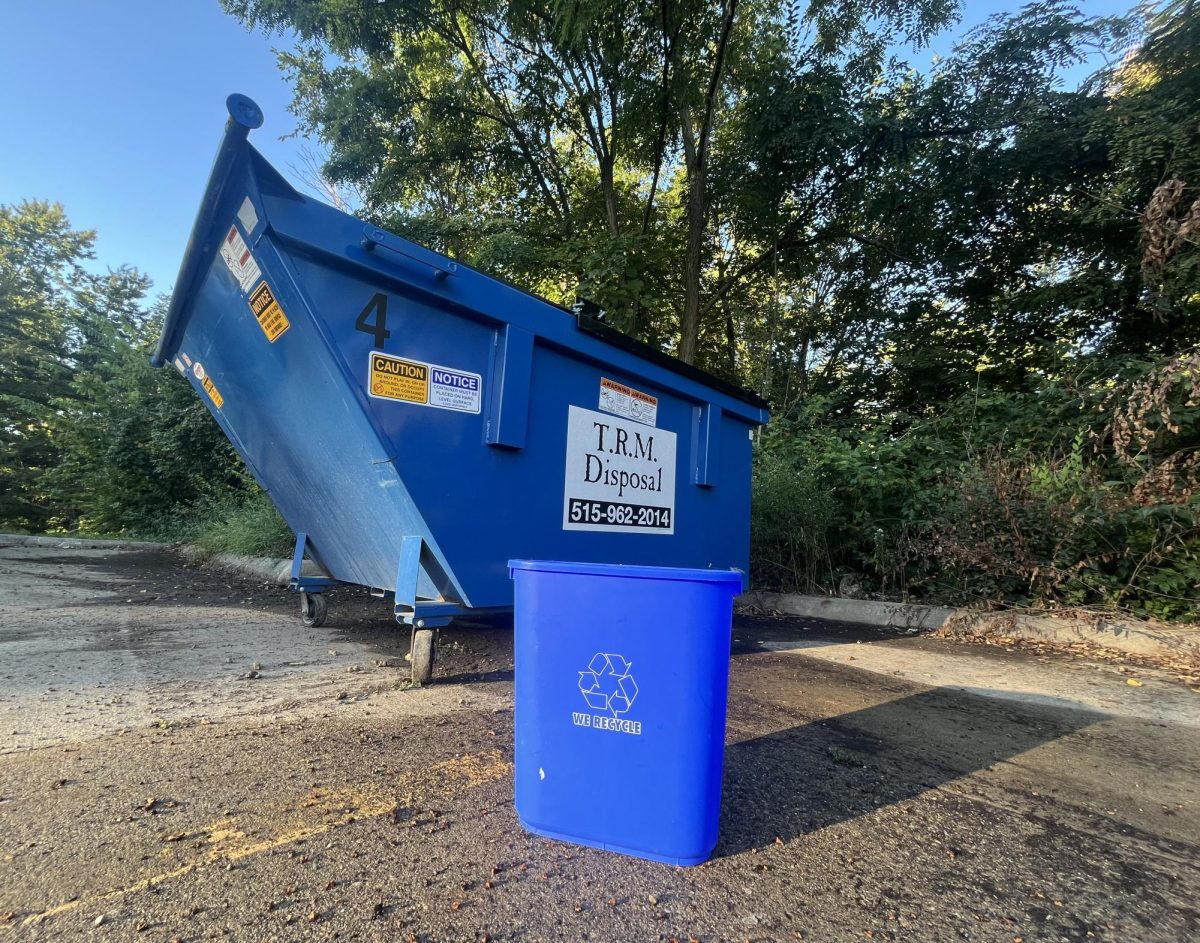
(181, 759)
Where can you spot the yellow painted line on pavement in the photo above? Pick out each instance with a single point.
(334, 807)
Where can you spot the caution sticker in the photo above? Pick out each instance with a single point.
(622, 400)
(206, 382)
(425, 384)
(395, 378)
(268, 312)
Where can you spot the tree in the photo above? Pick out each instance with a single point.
(138, 449)
(566, 145)
(1151, 127)
(41, 259)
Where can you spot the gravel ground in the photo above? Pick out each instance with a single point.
(181, 759)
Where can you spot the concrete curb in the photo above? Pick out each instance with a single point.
(78, 543)
(911, 617)
(1180, 644)
(268, 569)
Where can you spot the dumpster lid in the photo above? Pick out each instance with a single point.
(636, 572)
(611, 335)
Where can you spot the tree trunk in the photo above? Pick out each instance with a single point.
(689, 326)
(695, 154)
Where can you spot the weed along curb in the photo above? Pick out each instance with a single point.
(1131, 636)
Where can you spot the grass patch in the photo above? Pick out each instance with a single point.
(246, 524)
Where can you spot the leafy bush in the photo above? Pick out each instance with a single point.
(790, 521)
(1079, 493)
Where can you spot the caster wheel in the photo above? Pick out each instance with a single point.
(422, 655)
(313, 609)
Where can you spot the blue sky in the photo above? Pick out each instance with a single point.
(114, 109)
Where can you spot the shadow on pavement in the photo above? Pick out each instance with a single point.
(807, 777)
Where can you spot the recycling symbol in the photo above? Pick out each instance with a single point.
(607, 685)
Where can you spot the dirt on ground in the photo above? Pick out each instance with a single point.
(182, 759)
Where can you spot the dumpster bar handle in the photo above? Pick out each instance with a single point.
(244, 117)
(374, 236)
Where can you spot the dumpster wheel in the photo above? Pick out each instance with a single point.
(313, 609)
(422, 654)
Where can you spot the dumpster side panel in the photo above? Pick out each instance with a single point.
(487, 502)
(379, 391)
(285, 407)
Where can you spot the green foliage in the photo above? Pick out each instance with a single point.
(137, 446)
(970, 292)
(790, 523)
(92, 439)
(1067, 496)
(40, 259)
(237, 522)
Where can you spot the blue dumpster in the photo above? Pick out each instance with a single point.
(621, 681)
(418, 423)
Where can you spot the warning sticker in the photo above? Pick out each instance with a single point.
(622, 400)
(427, 384)
(270, 316)
(239, 259)
(394, 378)
(207, 383)
(619, 475)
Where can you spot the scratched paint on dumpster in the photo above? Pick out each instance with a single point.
(619, 475)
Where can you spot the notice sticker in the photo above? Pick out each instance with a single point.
(425, 384)
(266, 309)
(455, 389)
(239, 260)
(622, 400)
(619, 475)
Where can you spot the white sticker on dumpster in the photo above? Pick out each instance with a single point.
(626, 401)
(239, 260)
(620, 475)
(455, 389)
(426, 384)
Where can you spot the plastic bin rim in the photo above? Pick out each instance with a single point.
(636, 572)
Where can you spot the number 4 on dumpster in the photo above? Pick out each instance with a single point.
(377, 306)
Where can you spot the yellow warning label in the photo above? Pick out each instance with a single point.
(270, 315)
(393, 378)
(211, 389)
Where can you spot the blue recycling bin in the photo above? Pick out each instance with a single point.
(621, 681)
